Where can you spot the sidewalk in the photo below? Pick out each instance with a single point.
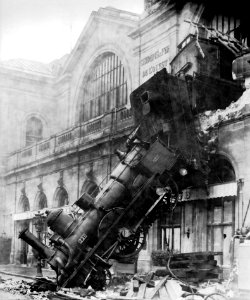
(24, 271)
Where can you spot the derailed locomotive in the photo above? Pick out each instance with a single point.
(164, 154)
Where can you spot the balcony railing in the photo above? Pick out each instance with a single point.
(107, 124)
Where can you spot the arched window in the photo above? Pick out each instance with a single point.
(104, 88)
(23, 204)
(221, 170)
(34, 131)
(41, 200)
(61, 197)
(90, 187)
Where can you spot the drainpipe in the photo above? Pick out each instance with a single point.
(240, 204)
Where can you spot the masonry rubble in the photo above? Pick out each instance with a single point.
(211, 119)
(138, 287)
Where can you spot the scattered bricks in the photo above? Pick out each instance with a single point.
(22, 288)
(123, 292)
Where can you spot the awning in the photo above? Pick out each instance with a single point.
(27, 215)
(214, 191)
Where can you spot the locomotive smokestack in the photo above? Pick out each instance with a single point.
(34, 242)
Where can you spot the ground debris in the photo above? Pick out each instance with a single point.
(89, 293)
(168, 288)
(15, 287)
(22, 287)
(140, 287)
(44, 289)
(43, 285)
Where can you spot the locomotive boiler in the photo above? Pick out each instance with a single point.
(163, 155)
(111, 225)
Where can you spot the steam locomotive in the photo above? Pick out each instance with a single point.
(164, 154)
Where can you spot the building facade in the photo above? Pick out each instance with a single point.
(62, 122)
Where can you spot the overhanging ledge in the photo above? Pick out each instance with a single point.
(28, 215)
(214, 191)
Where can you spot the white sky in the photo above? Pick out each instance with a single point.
(44, 30)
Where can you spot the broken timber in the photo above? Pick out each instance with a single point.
(166, 288)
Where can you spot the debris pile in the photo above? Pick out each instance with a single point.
(168, 288)
(194, 267)
(22, 287)
(15, 287)
(211, 119)
(139, 287)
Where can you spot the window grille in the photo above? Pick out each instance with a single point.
(220, 227)
(41, 200)
(34, 131)
(105, 87)
(61, 197)
(171, 230)
(24, 204)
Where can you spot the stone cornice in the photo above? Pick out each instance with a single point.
(15, 74)
(102, 16)
(74, 139)
(67, 153)
(63, 83)
(46, 95)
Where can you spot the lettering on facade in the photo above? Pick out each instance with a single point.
(154, 62)
(154, 69)
(154, 56)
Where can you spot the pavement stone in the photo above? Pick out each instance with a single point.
(8, 296)
(24, 271)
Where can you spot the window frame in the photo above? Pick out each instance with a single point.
(33, 125)
(169, 231)
(105, 87)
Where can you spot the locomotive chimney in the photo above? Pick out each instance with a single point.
(34, 242)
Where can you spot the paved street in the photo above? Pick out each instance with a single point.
(24, 271)
(8, 296)
(5, 295)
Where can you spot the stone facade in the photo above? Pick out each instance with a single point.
(74, 141)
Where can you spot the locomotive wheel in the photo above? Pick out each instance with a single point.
(130, 243)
